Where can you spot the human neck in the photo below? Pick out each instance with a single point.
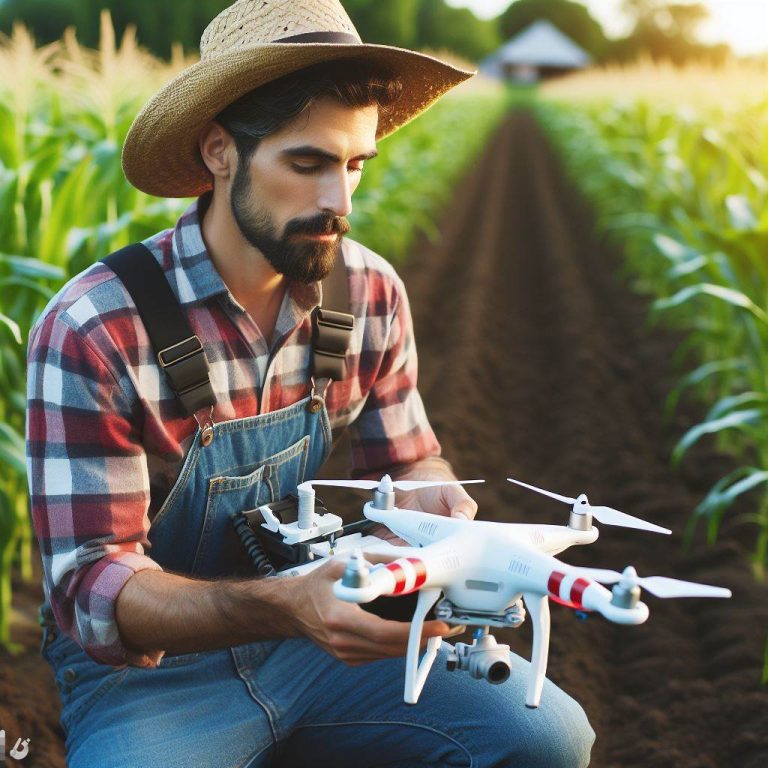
(243, 268)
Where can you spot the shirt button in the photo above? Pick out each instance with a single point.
(50, 637)
(70, 675)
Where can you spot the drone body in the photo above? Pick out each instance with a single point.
(482, 570)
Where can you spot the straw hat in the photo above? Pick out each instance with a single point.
(247, 45)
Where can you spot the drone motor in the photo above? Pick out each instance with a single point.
(580, 518)
(626, 593)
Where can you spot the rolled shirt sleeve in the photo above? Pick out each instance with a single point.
(88, 484)
(392, 428)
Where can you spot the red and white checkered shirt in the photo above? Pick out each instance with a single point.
(105, 438)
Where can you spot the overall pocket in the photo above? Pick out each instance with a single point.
(272, 479)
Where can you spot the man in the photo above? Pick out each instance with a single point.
(161, 657)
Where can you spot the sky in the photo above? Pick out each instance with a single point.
(741, 23)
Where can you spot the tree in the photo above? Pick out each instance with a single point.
(571, 18)
(456, 29)
(159, 24)
(391, 23)
(46, 18)
(666, 31)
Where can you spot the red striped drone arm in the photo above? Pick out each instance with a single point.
(570, 596)
(401, 577)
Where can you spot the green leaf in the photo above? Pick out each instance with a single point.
(697, 376)
(728, 295)
(25, 266)
(738, 420)
(722, 495)
(12, 325)
(672, 249)
(12, 449)
(740, 212)
(733, 402)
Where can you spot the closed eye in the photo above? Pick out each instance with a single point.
(317, 167)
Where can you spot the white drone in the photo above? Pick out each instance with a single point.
(481, 569)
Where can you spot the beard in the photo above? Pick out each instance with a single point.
(299, 260)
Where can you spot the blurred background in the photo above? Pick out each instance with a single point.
(608, 30)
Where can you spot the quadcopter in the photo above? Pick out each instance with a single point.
(473, 572)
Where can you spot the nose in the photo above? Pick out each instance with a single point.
(336, 194)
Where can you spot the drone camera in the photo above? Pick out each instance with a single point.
(485, 659)
(496, 671)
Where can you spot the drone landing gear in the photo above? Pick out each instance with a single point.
(538, 607)
(416, 671)
(486, 659)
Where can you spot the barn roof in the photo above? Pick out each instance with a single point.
(542, 44)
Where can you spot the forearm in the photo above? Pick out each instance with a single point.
(158, 610)
(161, 611)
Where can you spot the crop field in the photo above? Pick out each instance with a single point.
(680, 179)
(591, 311)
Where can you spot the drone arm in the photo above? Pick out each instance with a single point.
(538, 609)
(399, 577)
(416, 672)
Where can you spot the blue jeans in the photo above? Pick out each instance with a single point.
(288, 703)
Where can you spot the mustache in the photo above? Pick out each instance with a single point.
(318, 225)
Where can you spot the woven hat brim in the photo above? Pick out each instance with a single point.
(160, 154)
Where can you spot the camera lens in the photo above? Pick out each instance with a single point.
(498, 672)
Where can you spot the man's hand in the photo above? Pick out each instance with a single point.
(448, 500)
(345, 630)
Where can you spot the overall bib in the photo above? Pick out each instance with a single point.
(286, 702)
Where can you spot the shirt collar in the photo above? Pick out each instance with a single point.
(199, 280)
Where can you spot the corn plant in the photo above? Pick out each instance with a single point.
(685, 192)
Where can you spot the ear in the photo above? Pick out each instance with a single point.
(217, 148)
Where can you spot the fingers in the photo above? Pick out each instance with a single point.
(460, 502)
(383, 641)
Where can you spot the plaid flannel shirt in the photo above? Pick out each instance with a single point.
(105, 438)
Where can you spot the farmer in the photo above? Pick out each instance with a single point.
(165, 654)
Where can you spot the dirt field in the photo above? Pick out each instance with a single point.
(535, 363)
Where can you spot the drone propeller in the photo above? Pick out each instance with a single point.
(660, 586)
(387, 484)
(606, 515)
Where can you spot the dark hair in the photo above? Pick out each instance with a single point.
(267, 109)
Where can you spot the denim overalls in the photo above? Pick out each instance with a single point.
(287, 702)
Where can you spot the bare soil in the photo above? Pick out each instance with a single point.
(536, 362)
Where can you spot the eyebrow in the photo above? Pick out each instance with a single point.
(310, 151)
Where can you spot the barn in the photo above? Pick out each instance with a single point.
(541, 50)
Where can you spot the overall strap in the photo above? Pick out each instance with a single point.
(179, 351)
(332, 325)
